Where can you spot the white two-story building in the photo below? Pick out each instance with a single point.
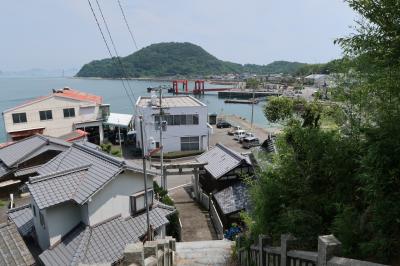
(186, 123)
(87, 206)
(57, 114)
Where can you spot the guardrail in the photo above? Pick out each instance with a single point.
(219, 227)
(204, 200)
(262, 253)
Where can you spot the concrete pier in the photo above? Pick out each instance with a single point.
(247, 94)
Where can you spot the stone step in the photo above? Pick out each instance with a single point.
(214, 252)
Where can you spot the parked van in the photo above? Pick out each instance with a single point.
(239, 134)
(247, 135)
(250, 142)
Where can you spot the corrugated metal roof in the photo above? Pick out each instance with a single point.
(121, 120)
(220, 160)
(13, 249)
(23, 218)
(233, 198)
(66, 93)
(60, 175)
(78, 95)
(103, 243)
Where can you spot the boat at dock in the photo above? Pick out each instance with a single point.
(249, 101)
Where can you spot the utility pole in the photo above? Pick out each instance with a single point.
(163, 181)
(145, 180)
(119, 138)
(252, 107)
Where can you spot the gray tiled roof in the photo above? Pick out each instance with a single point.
(103, 243)
(23, 218)
(11, 154)
(13, 249)
(27, 171)
(17, 152)
(4, 169)
(59, 178)
(220, 160)
(233, 198)
(49, 190)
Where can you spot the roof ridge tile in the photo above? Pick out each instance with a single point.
(36, 179)
(99, 154)
(19, 208)
(231, 152)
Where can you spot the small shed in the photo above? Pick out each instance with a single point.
(212, 119)
(224, 168)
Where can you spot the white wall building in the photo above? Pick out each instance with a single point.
(57, 114)
(186, 117)
(318, 80)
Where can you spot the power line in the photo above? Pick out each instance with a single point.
(125, 73)
(108, 49)
(127, 24)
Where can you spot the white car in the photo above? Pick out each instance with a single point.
(250, 142)
(247, 135)
(239, 134)
(233, 130)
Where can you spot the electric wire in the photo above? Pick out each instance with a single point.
(108, 48)
(124, 72)
(127, 25)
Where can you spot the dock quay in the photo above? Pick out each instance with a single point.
(250, 101)
(247, 94)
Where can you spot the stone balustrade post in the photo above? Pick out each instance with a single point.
(162, 245)
(150, 249)
(328, 247)
(134, 255)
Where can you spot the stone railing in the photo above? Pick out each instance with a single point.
(153, 253)
(262, 253)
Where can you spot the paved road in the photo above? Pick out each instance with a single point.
(196, 223)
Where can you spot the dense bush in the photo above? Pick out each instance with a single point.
(342, 180)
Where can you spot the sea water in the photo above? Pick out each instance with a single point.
(17, 90)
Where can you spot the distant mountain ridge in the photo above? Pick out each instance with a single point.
(172, 59)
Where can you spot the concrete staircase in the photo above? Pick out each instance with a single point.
(213, 252)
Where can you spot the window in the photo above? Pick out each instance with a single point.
(19, 118)
(177, 120)
(41, 218)
(69, 112)
(190, 144)
(46, 115)
(34, 210)
(138, 201)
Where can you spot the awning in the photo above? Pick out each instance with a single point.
(74, 135)
(119, 120)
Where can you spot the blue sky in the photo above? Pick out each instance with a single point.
(54, 34)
